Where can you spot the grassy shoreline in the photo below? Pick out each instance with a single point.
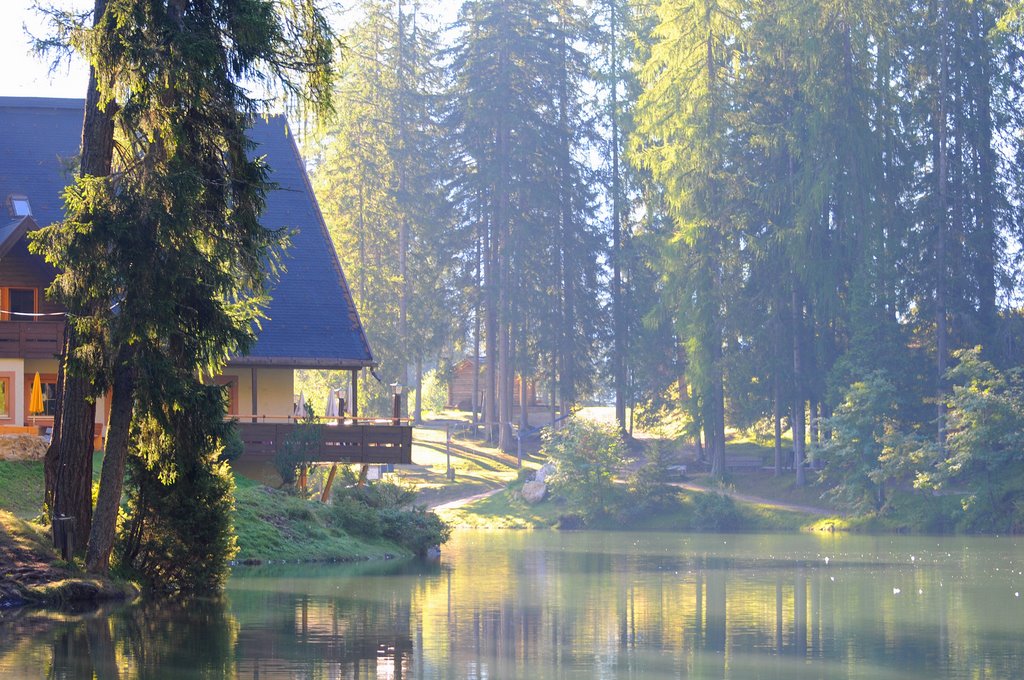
(270, 525)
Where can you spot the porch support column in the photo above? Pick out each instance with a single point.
(255, 404)
(355, 393)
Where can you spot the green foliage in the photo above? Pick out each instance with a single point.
(435, 391)
(649, 491)
(385, 494)
(984, 445)
(177, 534)
(298, 449)
(355, 516)
(587, 456)
(715, 512)
(418, 529)
(234, 447)
(869, 452)
(381, 510)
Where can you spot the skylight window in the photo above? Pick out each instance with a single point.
(19, 205)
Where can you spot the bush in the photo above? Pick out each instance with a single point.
(232, 443)
(298, 450)
(385, 494)
(715, 512)
(356, 517)
(178, 535)
(648, 490)
(587, 455)
(418, 530)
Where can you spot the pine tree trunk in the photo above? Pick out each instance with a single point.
(939, 127)
(799, 452)
(69, 456)
(104, 528)
(403, 219)
(417, 413)
(478, 295)
(777, 422)
(619, 340)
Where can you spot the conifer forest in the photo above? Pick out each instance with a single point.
(800, 217)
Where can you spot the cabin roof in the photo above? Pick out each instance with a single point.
(312, 320)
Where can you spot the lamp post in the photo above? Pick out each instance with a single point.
(396, 409)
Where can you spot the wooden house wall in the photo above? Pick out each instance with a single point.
(460, 387)
(21, 269)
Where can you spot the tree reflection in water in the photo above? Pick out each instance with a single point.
(568, 606)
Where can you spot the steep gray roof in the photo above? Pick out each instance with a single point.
(312, 321)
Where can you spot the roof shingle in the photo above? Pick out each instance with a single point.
(312, 321)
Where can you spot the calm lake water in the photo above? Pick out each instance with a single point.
(574, 605)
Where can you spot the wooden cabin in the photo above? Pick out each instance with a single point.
(311, 322)
(460, 387)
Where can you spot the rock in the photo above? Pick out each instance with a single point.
(533, 492)
(544, 472)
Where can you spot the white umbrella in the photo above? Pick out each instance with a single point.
(332, 404)
(300, 407)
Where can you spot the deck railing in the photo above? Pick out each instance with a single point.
(31, 339)
(362, 440)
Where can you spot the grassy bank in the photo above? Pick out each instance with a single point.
(272, 525)
(507, 510)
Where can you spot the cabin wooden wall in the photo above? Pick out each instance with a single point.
(21, 269)
(460, 387)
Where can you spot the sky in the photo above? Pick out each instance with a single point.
(26, 75)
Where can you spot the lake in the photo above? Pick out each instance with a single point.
(545, 604)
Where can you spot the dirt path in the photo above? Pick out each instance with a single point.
(459, 502)
(747, 498)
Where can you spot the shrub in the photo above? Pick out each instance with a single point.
(418, 530)
(233, 444)
(587, 455)
(356, 517)
(648, 490)
(715, 512)
(178, 535)
(298, 449)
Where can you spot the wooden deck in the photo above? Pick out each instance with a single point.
(343, 443)
(31, 339)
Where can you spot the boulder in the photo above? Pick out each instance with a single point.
(544, 472)
(533, 492)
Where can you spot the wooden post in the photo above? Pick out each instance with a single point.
(253, 389)
(330, 481)
(355, 392)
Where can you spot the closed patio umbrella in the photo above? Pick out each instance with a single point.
(300, 407)
(35, 402)
(331, 411)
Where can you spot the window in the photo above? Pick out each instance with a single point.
(5, 398)
(19, 304)
(18, 205)
(49, 398)
(48, 383)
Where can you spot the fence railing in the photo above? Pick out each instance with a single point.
(31, 339)
(382, 442)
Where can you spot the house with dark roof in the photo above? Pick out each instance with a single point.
(311, 322)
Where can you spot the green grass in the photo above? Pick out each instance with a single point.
(272, 525)
(21, 488)
(506, 510)
(21, 485)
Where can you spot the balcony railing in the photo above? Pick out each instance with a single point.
(31, 339)
(380, 442)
